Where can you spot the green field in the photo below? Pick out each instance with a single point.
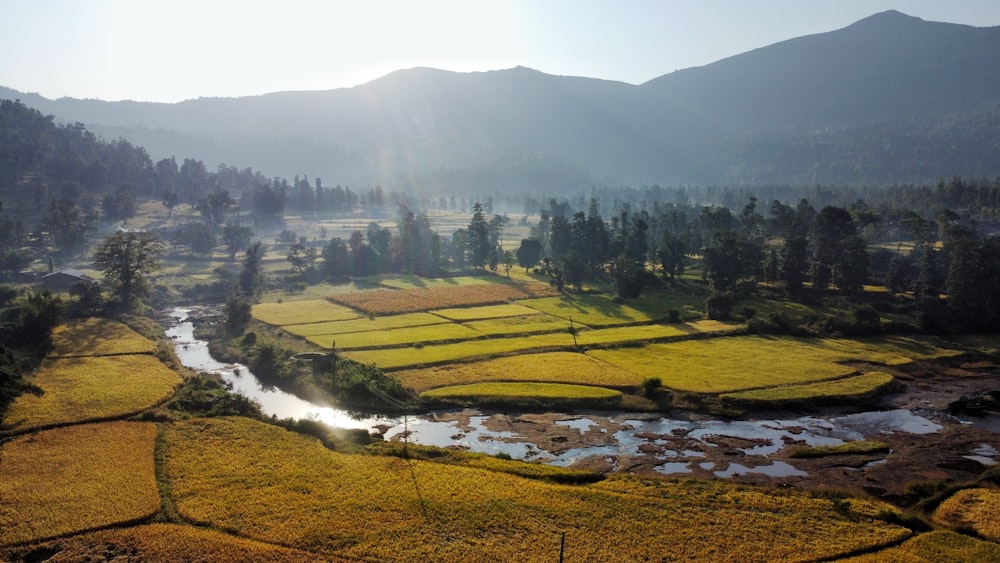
(590, 310)
(521, 390)
(723, 365)
(552, 367)
(536, 322)
(485, 312)
(395, 336)
(300, 312)
(364, 324)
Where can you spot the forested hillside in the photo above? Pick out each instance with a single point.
(891, 98)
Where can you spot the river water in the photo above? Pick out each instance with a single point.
(677, 445)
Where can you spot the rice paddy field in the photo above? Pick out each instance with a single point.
(848, 388)
(739, 363)
(424, 323)
(934, 546)
(974, 509)
(522, 390)
(555, 367)
(96, 336)
(266, 484)
(300, 312)
(82, 389)
(75, 479)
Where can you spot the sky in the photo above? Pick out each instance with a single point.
(173, 50)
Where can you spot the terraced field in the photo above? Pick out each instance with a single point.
(77, 478)
(92, 388)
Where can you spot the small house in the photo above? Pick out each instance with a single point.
(65, 279)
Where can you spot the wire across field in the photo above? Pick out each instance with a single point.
(485, 312)
(521, 390)
(96, 336)
(77, 478)
(299, 312)
(232, 473)
(590, 310)
(92, 388)
(553, 367)
(528, 324)
(364, 324)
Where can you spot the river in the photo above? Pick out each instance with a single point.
(678, 445)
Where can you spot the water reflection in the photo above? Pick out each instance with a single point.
(676, 445)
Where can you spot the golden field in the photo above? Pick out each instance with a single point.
(976, 509)
(92, 388)
(554, 367)
(162, 542)
(77, 478)
(97, 336)
(266, 484)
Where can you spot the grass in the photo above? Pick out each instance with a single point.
(591, 310)
(74, 479)
(92, 388)
(299, 312)
(263, 483)
(975, 509)
(846, 389)
(536, 322)
(726, 365)
(96, 336)
(552, 367)
(364, 324)
(160, 542)
(395, 336)
(934, 546)
(521, 390)
(485, 312)
(847, 448)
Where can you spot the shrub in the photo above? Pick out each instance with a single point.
(719, 305)
(650, 386)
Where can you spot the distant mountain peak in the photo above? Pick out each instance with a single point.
(886, 19)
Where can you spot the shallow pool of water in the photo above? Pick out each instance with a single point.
(677, 443)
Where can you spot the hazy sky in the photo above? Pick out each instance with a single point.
(171, 50)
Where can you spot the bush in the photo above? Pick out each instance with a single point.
(650, 386)
(675, 316)
(719, 305)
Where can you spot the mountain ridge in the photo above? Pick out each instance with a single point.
(694, 126)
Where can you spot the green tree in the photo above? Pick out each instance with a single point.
(120, 205)
(794, 263)
(529, 253)
(251, 280)
(126, 259)
(236, 236)
(69, 225)
(170, 201)
(478, 237)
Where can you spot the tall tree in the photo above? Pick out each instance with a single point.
(126, 259)
(478, 237)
